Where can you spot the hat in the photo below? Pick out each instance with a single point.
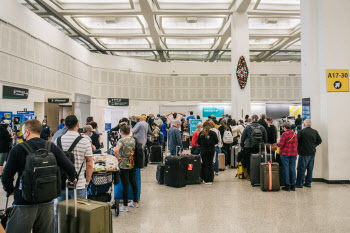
(5, 122)
(143, 117)
(87, 128)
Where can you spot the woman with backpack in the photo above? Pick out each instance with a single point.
(124, 151)
(288, 149)
(207, 140)
(227, 139)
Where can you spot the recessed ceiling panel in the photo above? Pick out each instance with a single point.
(194, 4)
(273, 23)
(130, 43)
(192, 43)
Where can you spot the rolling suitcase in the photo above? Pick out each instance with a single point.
(269, 175)
(160, 173)
(242, 172)
(221, 161)
(255, 160)
(118, 189)
(156, 154)
(193, 173)
(175, 171)
(79, 215)
(234, 154)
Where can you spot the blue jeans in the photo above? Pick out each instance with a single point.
(289, 163)
(81, 193)
(299, 127)
(305, 163)
(217, 150)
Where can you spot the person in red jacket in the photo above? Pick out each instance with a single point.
(195, 134)
(289, 152)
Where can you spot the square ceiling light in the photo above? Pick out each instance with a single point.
(126, 43)
(110, 24)
(274, 24)
(193, 4)
(192, 25)
(192, 43)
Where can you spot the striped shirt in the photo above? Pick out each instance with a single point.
(82, 149)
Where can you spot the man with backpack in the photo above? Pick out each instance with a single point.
(253, 136)
(37, 164)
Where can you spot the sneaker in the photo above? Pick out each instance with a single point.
(208, 183)
(217, 173)
(123, 209)
(307, 185)
(298, 186)
(133, 204)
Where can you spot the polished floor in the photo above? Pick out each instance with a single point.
(232, 205)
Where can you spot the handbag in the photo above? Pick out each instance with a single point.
(279, 148)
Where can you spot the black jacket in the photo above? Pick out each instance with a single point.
(5, 140)
(94, 139)
(207, 142)
(271, 134)
(246, 135)
(298, 121)
(16, 163)
(263, 123)
(308, 140)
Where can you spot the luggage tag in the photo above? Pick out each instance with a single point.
(190, 167)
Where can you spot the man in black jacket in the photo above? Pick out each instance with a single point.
(262, 121)
(26, 216)
(308, 140)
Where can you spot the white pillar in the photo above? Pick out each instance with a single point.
(325, 45)
(240, 99)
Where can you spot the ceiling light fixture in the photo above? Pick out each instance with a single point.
(111, 20)
(271, 21)
(191, 19)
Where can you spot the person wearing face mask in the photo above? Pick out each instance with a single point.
(95, 137)
(150, 120)
(124, 153)
(155, 130)
(194, 144)
(87, 133)
(173, 117)
(46, 132)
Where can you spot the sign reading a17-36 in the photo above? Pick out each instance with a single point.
(337, 80)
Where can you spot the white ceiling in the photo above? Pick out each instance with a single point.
(166, 30)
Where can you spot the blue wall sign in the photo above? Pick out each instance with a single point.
(8, 116)
(193, 125)
(216, 111)
(108, 126)
(306, 103)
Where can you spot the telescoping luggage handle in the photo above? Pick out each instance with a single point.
(75, 208)
(270, 167)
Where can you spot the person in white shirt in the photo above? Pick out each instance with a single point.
(174, 116)
(217, 146)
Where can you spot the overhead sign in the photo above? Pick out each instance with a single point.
(25, 112)
(306, 108)
(216, 111)
(118, 102)
(58, 101)
(338, 80)
(14, 92)
(193, 125)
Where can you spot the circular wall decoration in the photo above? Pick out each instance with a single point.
(242, 72)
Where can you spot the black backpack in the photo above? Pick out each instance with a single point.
(139, 156)
(70, 156)
(256, 136)
(40, 181)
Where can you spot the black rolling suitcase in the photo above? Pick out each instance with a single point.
(269, 175)
(193, 173)
(160, 173)
(175, 171)
(156, 154)
(255, 160)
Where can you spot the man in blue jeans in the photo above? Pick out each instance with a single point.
(308, 140)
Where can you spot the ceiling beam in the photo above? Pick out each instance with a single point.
(242, 5)
(53, 12)
(224, 38)
(147, 12)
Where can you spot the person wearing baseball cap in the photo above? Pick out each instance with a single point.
(5, 140)
(87, 133)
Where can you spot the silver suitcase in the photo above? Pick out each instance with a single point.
(234, 153)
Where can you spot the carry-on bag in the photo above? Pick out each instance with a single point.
(79, 215)
(242, 172)
(118, 189)
(255, 161)
(4, 214)
(160, 173)
(221, 161)
(193, 173)
(175, 171)
(269, 175)
(234, 154)
(156, 154)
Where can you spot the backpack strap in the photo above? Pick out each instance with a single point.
(26, 147)
(48, 146)
(59, 142)
(76, 141)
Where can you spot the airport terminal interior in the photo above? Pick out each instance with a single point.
(189, 69)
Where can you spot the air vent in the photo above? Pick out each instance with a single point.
(174, 75)
(111, 20)
(271, 21)
(292, 75)
(191, 19)
(204, 75)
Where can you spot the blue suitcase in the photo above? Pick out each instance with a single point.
(118, 189)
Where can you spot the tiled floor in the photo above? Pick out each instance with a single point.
(232, 205)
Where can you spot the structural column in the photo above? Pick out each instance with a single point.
(325, 45)
(240, 98)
